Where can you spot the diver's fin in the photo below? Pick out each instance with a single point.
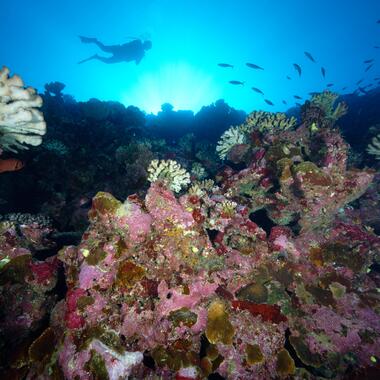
(87, 40)
(95, 56)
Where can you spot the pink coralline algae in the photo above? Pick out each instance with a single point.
(266, 274)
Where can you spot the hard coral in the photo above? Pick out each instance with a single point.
(21, 123)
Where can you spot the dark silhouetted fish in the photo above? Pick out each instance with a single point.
(329, 84)
(268, 102)
(368, 61)
(323, 71)
(313, 93)
(236, 82)
(308, 55)
(298, 68)
(377, 47)
(368, 68)
(285, 102)
(360, 81)
(378, 22)
(225, 65)
(257, 90)
(253, 66)
(288, 77)
(297, 97)
(361, 89)
(344, 88)
(299, 104)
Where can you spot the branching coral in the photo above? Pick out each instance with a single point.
(374, 147)
(264, 122)
(198, 171)
(326, 102)
(233, 136)
(21, 123)
(170, 172)
(269, 122)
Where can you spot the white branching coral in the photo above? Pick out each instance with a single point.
(21, 123)
(233, 136)
(373, 147)
(170, 172)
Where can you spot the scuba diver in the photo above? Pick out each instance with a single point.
(130, 51)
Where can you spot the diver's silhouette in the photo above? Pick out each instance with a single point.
(130, 51)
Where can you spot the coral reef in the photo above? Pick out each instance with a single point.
(21, 123)
(185, 287)
(267, 271)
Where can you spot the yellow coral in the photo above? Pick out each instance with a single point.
(269, 122)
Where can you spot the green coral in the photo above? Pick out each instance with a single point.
(170, 172)
(326, 102)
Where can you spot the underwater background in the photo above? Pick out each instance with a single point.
(189, 190)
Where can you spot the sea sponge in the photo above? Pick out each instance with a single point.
(170, 172)
(373, 147)
(21, 123)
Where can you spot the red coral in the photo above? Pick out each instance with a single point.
(269, 313)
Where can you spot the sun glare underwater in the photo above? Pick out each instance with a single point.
(190, 190)
(189, 40)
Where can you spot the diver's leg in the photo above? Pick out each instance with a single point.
(105, 48)
(102, 59)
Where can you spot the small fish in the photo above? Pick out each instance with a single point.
(257, 90)
(268, 102)
(236, 82)
(376, 47)
(313, 93)
(225, 65)
(360, 81)
(323, 71)
(368, 61)
(298, 68)
(378, 22)
(284, 102)
(308, 55)
(299, 104)
(288, 77)
(297, 97)
(344, 88)
(368, 68)
(361, 89)
(253, 66)
(10, 165)
(329, 84)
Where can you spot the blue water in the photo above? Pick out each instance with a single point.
(40, 42)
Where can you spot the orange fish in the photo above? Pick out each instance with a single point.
(10, 165)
